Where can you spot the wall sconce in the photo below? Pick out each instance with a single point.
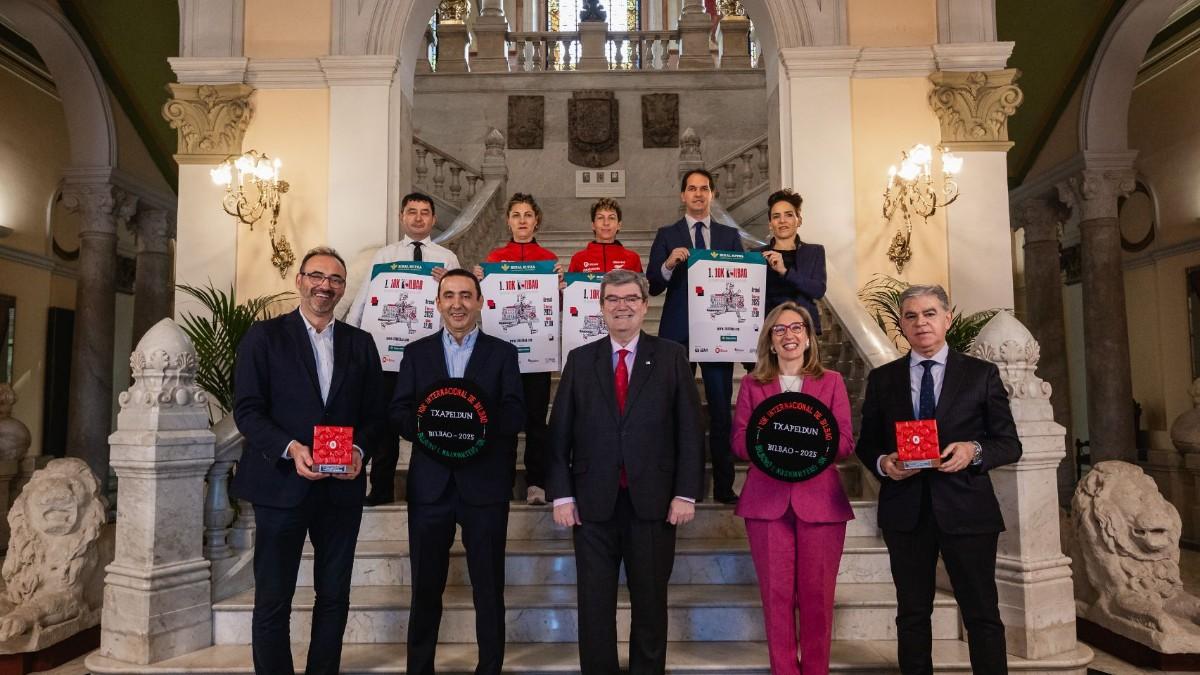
(253, 188)
(910, 190)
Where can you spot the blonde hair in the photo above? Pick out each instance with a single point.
(767, 368)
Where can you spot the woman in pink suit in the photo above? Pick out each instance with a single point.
(796, 530)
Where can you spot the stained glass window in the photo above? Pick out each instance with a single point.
(562, 16)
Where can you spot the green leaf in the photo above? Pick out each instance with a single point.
(881, 297)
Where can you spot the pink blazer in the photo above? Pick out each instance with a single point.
(818, 500)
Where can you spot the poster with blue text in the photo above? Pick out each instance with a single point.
(725, 305)
(401, 307)
(582, 321)
(520, 306)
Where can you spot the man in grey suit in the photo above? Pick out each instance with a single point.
(625, 468)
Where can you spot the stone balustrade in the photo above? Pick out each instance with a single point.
(450, 180)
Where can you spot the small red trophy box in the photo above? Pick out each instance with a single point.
(332, 449)
(917, 444)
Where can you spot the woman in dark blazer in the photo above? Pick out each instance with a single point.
(795, 269)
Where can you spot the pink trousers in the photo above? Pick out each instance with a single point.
(797, 566)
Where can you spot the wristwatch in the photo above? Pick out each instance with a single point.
(978, 459)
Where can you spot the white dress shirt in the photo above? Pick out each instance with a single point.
(691, 223)
(322, 346)
(399, 251)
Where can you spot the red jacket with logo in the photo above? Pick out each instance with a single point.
(599, 257)
(517, 252)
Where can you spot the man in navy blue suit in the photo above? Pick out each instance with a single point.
(294, 372)
(667, 271)
(474, 496)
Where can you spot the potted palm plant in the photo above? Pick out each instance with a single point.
(881, 297)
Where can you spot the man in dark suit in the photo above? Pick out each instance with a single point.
(667, 271)
(626, 466)
(474, 496)
(294, 372)
(951, 509)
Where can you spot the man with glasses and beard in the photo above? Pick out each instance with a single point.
(294, 372)
(625, 468)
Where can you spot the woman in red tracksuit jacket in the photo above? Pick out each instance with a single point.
(524, 218)
(605, 253)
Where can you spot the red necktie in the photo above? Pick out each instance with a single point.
(621, 384)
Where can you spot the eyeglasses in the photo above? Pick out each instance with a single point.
(781, 329)
(623, 299)
(317, 279)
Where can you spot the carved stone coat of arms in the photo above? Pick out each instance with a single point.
(593, 131)
(660, 120)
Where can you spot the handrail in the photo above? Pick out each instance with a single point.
(478, 226)
(438, 151)
(737, 154)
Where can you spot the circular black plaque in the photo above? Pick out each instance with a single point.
(452, 421)
(792, 437)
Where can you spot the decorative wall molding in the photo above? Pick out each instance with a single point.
(973, 107)
(967, 56)
(210, 119)
(211, 27)
(359, 70)
(819, 61)
(209, 70)
(285, 74)
(881, 62)
(966, 20)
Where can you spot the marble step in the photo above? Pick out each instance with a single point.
(713, 521)
(859, 657)
(697, 612)
(534, 562)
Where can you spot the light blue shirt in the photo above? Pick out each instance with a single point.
(629, 358)
(916, 371)
(457, 355)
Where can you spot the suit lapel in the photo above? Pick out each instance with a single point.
(903, 384)
(685, 232)
(341, 359)
(604, 375)
(299, 334)
(643, 365)
(951, 382)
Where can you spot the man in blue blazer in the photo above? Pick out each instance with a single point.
(294, 372)
(667, 271)
(474, 496)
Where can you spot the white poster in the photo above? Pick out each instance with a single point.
(401, 307)
(520, 306)
(582, 321)
(725, 305)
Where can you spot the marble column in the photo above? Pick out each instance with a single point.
(1040, 218)
(210, 121)
(154, 285)
(100, 207)
(157, 597)
(1033, 577)
(973, 110)
(1094, 193)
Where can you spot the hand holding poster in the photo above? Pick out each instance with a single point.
(520, 306)
(725, 305)
(582, 321)
(401, 307)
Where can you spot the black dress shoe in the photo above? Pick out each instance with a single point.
(730, 498)
(377, 499)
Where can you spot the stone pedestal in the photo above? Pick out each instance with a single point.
(734, 37)
(694, 29)
(1105, 329)
(101, 207)
(592, 36)
(490, 53)
(157, 599)
(1040, 219)
(1033, 577)
(154, 287)
(452, 47)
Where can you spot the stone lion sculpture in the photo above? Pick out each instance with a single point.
(1127, 574)
(56, 525)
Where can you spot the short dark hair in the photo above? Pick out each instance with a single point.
(712, 185)
(418, 197)
(785, 195)
(921, 290)
(461, 273)
(321, 250)
(622, 277)
(606, 204)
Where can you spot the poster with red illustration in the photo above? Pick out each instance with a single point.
(332, 449)
(917, 444)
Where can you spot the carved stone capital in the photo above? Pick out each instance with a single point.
(1040, 218)
(102, 207)
(163, 366)
(973, 107)
(1006, 342)
(1094, 192)
(210, 119)
(155, 228)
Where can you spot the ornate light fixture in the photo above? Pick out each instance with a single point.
(253, 188)
(911, 191)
